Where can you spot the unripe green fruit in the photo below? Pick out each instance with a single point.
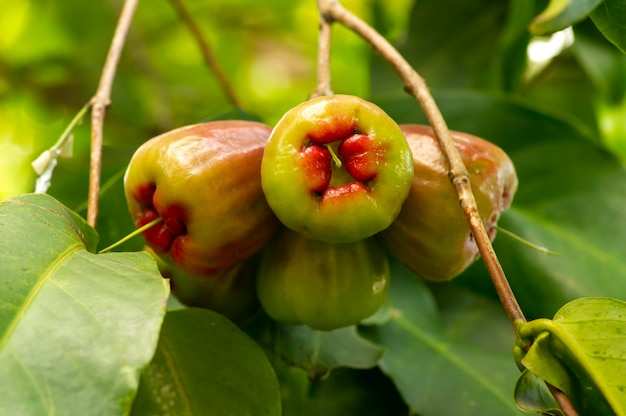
(231, 292)
(204, 181)
(323, 285)
(311, 194)
(431, 235)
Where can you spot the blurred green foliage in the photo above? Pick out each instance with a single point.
(52, 53)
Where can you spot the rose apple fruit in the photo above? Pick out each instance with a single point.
(323, 285)
(312, 194)
(230, 292)
(204, 182)
(431, 235)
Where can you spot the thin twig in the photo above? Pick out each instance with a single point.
(416, 86)
(100, 101)
(207, 52)
(323, 57)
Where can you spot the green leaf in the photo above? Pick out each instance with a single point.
(560, 14)
(76, 328)
(453, 44)
(318, 352)
(344, 392)
(588, 336)
(533, 396)
(205, 364)
(436, 361)
(610, 18)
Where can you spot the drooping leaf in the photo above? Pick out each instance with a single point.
(560, 14)
(76, 328)
(205, 364)
(436, 362)
(587, 337)
(318, 352)
(610, 18)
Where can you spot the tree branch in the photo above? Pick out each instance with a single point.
(100, 101)
(323, 57)
(207, 52)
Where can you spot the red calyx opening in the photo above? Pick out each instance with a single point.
(360, 154)
(160, 236)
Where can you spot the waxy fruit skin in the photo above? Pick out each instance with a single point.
(323, 285)
(313, 196)
(204, 181)
(230, 292)
(431, 235)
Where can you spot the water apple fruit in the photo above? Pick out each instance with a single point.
(431, 235)
(204, 181)
(336, 169)
(323, 285)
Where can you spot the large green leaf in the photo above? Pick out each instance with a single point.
(205, 365)
(76, 328)
(586, 338)
(456, 363)
(570, 199)
(560, 14)
(610, 17)
(318, 352)
(454, 44)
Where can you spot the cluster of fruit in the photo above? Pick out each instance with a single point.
(301, 218)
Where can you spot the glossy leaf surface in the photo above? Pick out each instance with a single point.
(76, 328)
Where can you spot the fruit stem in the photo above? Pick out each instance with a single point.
(131, 235)
(334, 156)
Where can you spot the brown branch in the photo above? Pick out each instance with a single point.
(99, 103)
(323, 57)
(206, 51)
(562, 400)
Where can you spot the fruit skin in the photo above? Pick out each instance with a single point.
(431, 235)
(312, 195)
(230, 292)
(204, 181)
(322, 285)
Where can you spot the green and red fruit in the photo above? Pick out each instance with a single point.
(314, 195)
(431, 235)
(204, 181)
(323, 285)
